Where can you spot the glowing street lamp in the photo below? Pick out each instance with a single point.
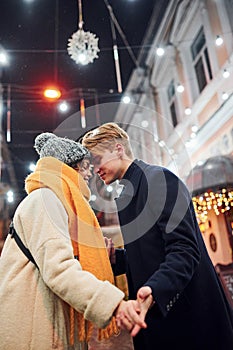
(63, 106)
(32, 167)
(126, 99)
(10, 196)
(160, 51)
(52, 93)
(3, 58)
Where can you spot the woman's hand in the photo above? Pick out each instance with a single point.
(110, 249)
(128, 314)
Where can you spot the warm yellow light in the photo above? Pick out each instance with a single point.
(52, 93)
(220, 202)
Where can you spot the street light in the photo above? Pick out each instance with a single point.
(160, 51)
(32, 167)
(126, 99)
(63, 106)
(10, 196)
(52, 93)
(4, 58)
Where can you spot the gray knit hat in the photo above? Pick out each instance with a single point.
(65, 150)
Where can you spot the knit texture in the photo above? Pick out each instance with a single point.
(87, 239)
(63, 149)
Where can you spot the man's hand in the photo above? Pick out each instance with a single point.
(143, 293)
(131, 314)
(145, 300)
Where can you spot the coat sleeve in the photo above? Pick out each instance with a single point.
(43, 224)
(178, 228)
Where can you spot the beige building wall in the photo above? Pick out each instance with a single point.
(187, 26)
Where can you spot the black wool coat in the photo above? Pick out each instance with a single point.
(165, 251)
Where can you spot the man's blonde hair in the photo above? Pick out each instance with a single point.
(106, 136)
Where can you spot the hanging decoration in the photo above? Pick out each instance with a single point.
(82, 113)
(8, 123)
(115, 55)
(83, 46)
(115, 25)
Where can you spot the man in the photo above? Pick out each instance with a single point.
(166, 254)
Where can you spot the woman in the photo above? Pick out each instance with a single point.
(56, 301)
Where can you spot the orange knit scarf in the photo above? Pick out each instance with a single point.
(87, 239)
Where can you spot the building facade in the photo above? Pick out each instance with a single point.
(182, 99)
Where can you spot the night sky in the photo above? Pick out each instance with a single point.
(36, 41)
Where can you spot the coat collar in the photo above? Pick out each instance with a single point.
(132, 177)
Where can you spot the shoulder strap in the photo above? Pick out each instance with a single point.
(20, 244)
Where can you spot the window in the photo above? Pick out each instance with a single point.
(172, 102)
(229, 8)
(201, 60)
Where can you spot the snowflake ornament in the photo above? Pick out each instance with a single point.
(83, 47)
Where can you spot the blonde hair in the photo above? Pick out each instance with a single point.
(105, 137)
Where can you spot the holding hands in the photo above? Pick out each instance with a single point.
(130, 315)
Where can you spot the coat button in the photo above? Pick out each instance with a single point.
(168, 307)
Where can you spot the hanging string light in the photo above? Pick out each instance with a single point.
(115, 24)
(115, 52)
(83, 46)
(8, 126)
(220, 202)
(82, 113)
